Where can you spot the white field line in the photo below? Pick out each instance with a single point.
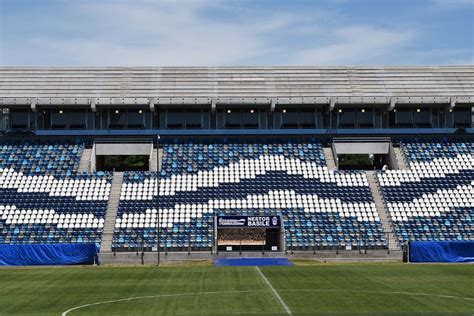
(382, 292)
(275, 293)
(149, 297)
(273, 289)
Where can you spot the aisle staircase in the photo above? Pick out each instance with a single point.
(154, 158)
(328, 154)
(112, 207)
(85, 164)
(401, 161)
(382, 210)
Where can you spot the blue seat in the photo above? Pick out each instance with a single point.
(191, 158)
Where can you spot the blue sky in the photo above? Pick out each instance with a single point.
(231, 32)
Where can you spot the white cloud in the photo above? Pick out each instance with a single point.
(356, 45)
(151, 33)
(199, 32)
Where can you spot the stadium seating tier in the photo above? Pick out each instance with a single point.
(434, 199)
(319, 207)
(43, 199)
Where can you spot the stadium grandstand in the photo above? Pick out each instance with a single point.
(199, 162)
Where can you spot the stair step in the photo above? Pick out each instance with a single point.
(154, 159)
(84, 164)
(401, 160)
(112, 207)
(328, 154)
(382, 211)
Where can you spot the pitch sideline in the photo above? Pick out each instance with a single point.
(275, 293)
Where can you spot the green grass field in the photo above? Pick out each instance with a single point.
(306, 289)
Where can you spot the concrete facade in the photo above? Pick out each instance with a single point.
(153, 86)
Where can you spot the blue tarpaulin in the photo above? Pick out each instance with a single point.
(441, 251)
(47, 254)
(260, 262)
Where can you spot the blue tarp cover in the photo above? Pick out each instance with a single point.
(442, 251)
(261, 262)
(47, 254)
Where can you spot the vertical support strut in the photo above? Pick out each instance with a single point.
(158, 225)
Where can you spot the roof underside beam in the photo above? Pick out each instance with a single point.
(157, 101)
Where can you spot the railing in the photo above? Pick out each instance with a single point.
(238, 132)
(362, 245)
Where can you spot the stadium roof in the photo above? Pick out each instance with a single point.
(236, 85)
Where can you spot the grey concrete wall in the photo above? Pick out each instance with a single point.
(124, 258)
(392, 159)
(123, 149)
(93, 159)
(362, 148)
